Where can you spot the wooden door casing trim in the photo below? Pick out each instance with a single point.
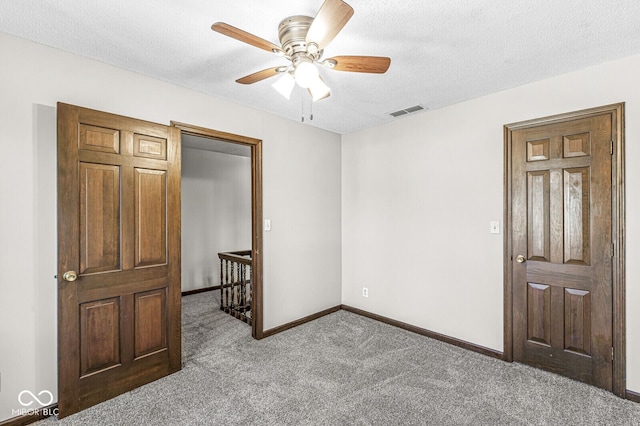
(618, 233)
(257, 330)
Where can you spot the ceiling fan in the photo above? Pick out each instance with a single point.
(303, 40)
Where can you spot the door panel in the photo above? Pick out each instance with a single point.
(118, 227)
(576, 216)
(150, 188)
(538, 215)
(150, 147)
(151, 322)
(577, 321)
(99, 218)
(539, 313)
(99, 335)
(562, 226)
(94, 138)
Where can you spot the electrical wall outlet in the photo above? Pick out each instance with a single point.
(365, 292)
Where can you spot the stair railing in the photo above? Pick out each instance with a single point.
(235, 284)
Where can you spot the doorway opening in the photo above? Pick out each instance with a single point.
(245, 152)
(564, 255)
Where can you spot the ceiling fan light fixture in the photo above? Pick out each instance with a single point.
(284, 85)
(302, 42)
(306, 74)
(330, 63)
(318, 89)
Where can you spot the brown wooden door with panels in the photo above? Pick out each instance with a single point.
(118, 255)
(561, 249)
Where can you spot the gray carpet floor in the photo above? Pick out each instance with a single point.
(344, 369)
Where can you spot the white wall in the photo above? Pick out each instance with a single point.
(216, 213)
(301, 180)
(417, 198)
(418, 195)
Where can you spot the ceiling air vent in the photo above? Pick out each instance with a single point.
(406, 111)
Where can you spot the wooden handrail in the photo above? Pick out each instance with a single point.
(237, 256)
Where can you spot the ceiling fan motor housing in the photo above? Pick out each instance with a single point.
(292, 32)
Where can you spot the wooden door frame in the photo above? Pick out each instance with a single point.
(618, 233)
(257, 330)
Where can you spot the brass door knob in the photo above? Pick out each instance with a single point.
(520, 258)
(70, 276)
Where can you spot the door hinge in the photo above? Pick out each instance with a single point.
(612, 353)
(613, 250)
(611, 149)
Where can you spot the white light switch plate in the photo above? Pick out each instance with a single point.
(494, 227)
(267, 224)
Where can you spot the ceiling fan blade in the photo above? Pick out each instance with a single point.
(245, 37)
(331, 18)
(368, 64)
(259, 76)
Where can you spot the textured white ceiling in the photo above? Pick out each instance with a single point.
(442, 51)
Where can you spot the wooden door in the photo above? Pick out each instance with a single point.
(562, 247)
(118, 233)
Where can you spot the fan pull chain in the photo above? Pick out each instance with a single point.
(302, 111)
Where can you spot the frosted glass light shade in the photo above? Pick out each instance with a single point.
(318, 89)
(284, 85)
(306, 74)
